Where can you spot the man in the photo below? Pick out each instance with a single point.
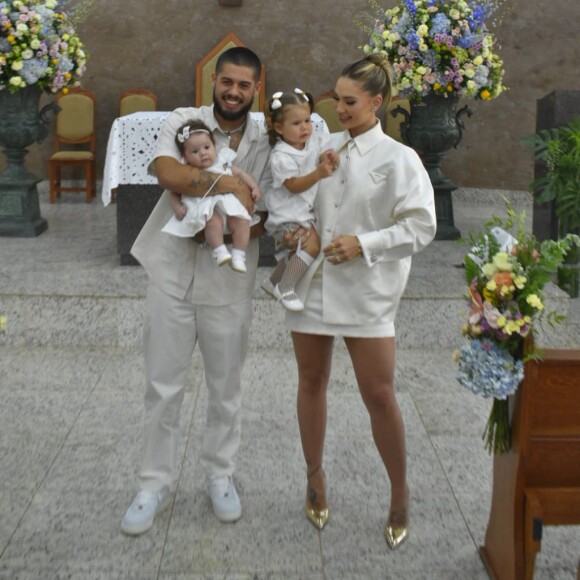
(191, 300)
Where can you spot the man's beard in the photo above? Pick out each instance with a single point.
(231, 115)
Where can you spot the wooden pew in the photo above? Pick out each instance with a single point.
(538, 482)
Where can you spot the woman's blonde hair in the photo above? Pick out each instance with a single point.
(374, 74)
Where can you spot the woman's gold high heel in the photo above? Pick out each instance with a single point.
(316, 517)
(396, 534)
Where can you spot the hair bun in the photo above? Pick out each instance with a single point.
(379, 59)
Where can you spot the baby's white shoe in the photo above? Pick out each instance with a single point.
(238, 262)
(221, 255)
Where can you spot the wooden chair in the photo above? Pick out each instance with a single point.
(537, 483)
(325, 106)
(75, 126)
(205, 70)
(135, 100)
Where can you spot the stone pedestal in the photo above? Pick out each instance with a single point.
(554, 110)
(134, 205)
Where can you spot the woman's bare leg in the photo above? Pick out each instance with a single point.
(314, 357)
(373, 361)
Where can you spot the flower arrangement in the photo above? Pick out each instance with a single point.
(505, 278)
(440, 47)
(38, 46)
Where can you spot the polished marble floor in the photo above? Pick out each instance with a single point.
(70, 424)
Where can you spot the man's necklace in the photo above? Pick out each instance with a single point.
(239, 129)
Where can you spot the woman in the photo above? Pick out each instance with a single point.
(373, 213)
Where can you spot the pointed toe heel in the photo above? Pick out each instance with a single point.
(395, 536)
(317, 517)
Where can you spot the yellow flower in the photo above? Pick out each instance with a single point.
(501, 321)
(502, 262)
(485, 95)
(489, 270)
(520, 281)
(491, 286)
(534, 301)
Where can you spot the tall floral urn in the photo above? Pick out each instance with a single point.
(21, 125)
(39, 52)
(434, 126)
(440, 51)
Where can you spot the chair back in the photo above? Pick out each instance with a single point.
(75, 122)
(325, 106)
(135, 100)
(205, 69)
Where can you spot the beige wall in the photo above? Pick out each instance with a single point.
(305, 43)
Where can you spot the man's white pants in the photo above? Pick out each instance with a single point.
(172, 329)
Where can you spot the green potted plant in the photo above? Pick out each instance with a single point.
(558, 149)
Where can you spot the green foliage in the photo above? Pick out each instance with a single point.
(559, 150)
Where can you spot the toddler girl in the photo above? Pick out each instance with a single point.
(193, 214)
(297, 164)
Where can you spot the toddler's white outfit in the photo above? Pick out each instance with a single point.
(200, 209)
(285, 207)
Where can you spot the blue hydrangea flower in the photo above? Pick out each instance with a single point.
(441, 25)
(489, 370)
(430, 59)
(33, 69)
(405, 22)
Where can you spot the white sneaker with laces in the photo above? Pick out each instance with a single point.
(289, 299)
(224, 497)
(143, 509)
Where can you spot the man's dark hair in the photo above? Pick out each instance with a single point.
(240, 56)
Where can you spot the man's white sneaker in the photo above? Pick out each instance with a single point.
(289, 299)
(145, 506)
(224, 497)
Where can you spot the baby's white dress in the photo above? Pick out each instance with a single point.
(200, 209)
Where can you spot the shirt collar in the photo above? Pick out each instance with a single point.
(285, 148)
(365, 141)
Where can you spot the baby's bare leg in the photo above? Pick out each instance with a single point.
(240, 229)
(214, 231)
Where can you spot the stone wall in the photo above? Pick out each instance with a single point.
(305, 43)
